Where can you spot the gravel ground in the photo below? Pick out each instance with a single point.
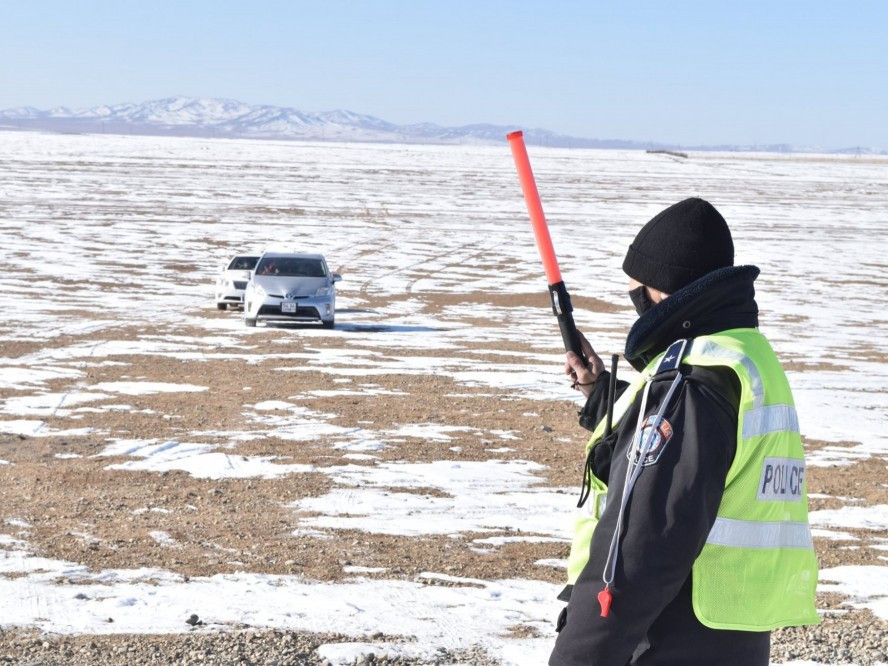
(244, 648)
(852, 638)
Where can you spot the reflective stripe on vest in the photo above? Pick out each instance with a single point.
(752, 534)
(710, 349)
(766, 420)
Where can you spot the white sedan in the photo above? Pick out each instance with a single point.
(232, 281)
(291, 287)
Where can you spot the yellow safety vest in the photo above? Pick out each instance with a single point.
(757, 570)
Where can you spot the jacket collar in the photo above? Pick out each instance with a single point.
(718, 301)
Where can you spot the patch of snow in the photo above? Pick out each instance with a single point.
(367, 570)
(858, 517)
(273, 405)
(558, 564)
(47, 404)
(832, 536)
(164, 539)
(491, 496)
(31, 428)
(867, 587)
(199, 460)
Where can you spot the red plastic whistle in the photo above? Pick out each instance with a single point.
(605, 598)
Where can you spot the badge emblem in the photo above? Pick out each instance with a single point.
(659, 440)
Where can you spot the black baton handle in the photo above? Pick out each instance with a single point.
(562, 309)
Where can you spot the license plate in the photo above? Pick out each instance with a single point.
(288, 306)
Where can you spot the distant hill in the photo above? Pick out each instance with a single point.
(189, 116)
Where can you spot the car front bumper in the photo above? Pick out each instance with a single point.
(230, 299)
(271, 308)
(229, 295)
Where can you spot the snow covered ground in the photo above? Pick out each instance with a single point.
(105, 233)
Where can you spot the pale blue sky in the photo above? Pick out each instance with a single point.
(688, 72)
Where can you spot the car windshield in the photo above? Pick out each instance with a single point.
(243, 263)
(291, 267)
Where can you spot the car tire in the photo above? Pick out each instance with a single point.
(221, 306)
(328, 324)
(250, 322)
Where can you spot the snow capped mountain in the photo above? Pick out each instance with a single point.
(190, 116)
(200, 116)
(21, 112)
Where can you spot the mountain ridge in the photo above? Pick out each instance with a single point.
(228, 118)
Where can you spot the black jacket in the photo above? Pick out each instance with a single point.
(675, 500)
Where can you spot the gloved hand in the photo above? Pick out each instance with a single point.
(583, 376)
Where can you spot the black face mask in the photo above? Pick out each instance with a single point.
(641, 300)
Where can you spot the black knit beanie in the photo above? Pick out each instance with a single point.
(679, 245)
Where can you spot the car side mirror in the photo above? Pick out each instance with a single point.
(337, 277)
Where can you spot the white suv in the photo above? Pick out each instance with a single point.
(291, 287)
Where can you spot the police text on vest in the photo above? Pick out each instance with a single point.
(782, 480)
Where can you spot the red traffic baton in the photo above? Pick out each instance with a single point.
(561, 306)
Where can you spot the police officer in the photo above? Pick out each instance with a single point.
(691, 542)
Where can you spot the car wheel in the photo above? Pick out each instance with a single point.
(328, 324)
(250, 322)
(221, 306)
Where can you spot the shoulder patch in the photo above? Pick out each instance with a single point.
(660, 439)
(673, 356)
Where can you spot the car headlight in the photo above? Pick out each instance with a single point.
(257, 289)
(324, 291)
